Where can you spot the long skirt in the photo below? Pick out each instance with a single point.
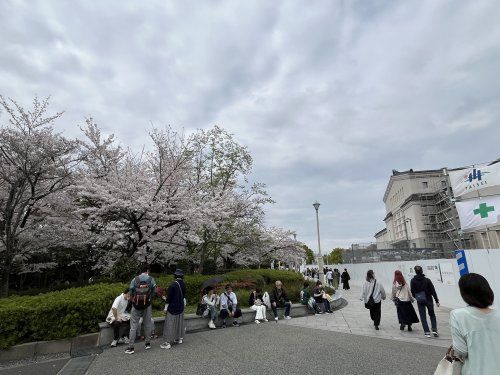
(346, 285)
(261, 312)
(174, 327)
(406, 313)
(335, 283)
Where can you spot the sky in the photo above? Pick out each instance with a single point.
(328, 96)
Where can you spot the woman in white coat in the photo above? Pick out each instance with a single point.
(375, 290)
(256, 303)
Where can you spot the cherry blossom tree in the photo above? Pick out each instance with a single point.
(35, 162)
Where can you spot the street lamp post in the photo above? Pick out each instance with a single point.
(320, 260)
(406, 230)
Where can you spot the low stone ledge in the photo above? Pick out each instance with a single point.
(18, 352)
(53, 347)
(195, 323)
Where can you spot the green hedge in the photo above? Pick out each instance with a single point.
(55, 315)
(76, 311)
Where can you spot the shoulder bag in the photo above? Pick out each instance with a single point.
(450, 364)
(371, 302)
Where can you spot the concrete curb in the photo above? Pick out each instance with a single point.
(34, 349)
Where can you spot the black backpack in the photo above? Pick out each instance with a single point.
(142, 295)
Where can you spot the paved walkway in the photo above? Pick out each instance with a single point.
(344, 343)
(272, 348)
(355, 319)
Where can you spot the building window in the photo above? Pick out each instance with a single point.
(425, 184)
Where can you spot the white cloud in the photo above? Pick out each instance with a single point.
(329, 97)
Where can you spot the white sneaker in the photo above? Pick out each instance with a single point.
(211, 324)
(276, 318)
(265, 320)
(113, 343)
(288, 317)
(165, 345)
(179, 341)
(256, 321)
(427, 334)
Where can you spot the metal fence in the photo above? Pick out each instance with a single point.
(387, 255)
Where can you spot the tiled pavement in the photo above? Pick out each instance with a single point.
(355, 319)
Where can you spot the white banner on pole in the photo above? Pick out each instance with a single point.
(475, 178)
(478, 212)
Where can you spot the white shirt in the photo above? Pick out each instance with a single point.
(329, 275)
(120, 304)
(223, 300)
(210, 301)
(378, 291)
(478, 335)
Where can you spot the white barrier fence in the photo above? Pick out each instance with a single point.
(444, 273)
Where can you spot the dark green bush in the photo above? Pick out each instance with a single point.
(55, 315)
(77, 311)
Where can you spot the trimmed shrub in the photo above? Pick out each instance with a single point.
(55, 315)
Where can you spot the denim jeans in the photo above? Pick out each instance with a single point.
(326, 304)
(423, 316)
(287, 309)
(134, 323)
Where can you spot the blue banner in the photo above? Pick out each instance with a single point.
(462, 262)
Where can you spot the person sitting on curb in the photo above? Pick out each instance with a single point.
(319, 297)
(211, 300)
(229, 307)
(307, 300)
(256, 303)
(118, 317)
(279, 298)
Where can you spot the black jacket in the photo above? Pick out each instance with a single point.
(280, 300)
(253, 297)
(421, 283)
(345, 277)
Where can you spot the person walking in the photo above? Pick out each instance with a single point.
(329, 277)
(423, 290)
(401, 295)
(336, 278)
(375, 293)
(475, 329)
(345, 279)
(142, 289)
(175, 301)
(256, 303)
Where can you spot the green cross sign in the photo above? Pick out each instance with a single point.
(483, 210)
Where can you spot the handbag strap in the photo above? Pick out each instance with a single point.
(179, 285)
(371, 295)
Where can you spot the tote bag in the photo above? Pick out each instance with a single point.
(449, 365)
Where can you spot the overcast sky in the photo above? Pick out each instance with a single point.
(329, 96)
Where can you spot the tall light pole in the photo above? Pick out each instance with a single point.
(320, 260)
(406, 231)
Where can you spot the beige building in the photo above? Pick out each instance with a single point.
(420, 213)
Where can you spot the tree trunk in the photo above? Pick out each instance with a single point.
(5, 277)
